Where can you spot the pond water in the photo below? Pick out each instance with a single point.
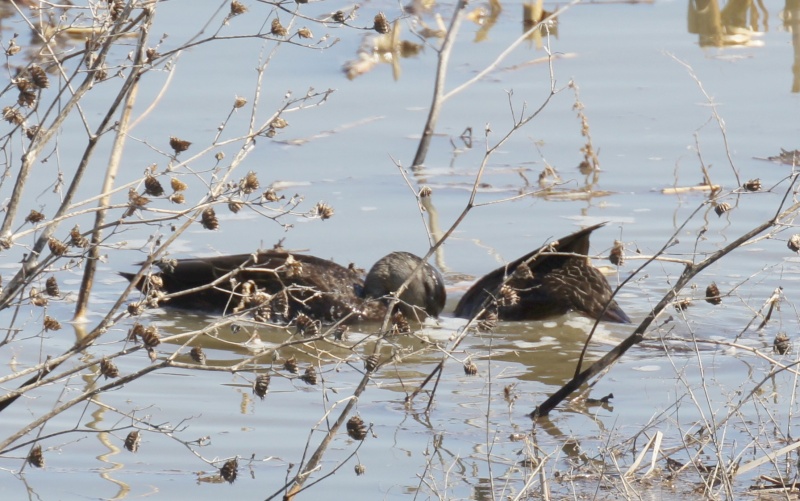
(650, 78)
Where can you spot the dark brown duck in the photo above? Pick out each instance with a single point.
(549, 281)
(283, 285)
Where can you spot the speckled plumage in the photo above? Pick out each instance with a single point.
(318, 288)
(548, 285)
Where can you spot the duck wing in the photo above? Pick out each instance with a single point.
(320, 288)
(548, 284)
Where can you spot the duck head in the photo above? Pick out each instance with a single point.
(424, 295)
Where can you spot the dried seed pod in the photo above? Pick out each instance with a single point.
(305, 33)
(356, 428)
(470, 369)
(360, 469)
(279, 123)
(38, 77)
(13, 48)
(116, 8)
(682, 304)
(293, 266)
(794, 242)
(271, 196)
(108, 369)
(261, 385)
(167, 264)
(56, 246)
(290, 364)
(229, 470)
(177, 198)
(23, 83)
(235, 206)
(371, 362)
(306, 326)
(752, 185)
(152, 186)
(277, 28)
(249, 183)
(487, 321)
(323, 211)
(712, 294)
(155, 282)
(132, 441)
(150, 336)
(381, 24)
(26, 98)
(339, 16)
(400, 324)
(209, 219)
(239, 102)
(279, 307)
(507, 296)
(310, 375)
(31, 131)
(340, 332)
(258, 299)
(177, 185)
(136, 200)
(76, 239)
(51, 287)
(262, 314)
(237, 8)
(34, 217)
(51, 324)
(36, 297)
(13, 116)
(781, 344)
(425, 191)
(151, 354)
(198, 355)
(35, 456)
(135, 309)
(151, 54)
(178, 145)
(523, 272)
(137, 331)
(722, 208)
(153, 298)
(616, 256)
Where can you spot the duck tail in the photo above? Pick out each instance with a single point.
(130, 277)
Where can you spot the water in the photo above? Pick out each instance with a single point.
(646, 114)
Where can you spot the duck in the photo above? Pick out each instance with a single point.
(281, 286)
(425, 291)
(550, 281)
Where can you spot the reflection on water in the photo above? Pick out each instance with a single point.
(735, 24)
(741, 23)
(540, 351)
